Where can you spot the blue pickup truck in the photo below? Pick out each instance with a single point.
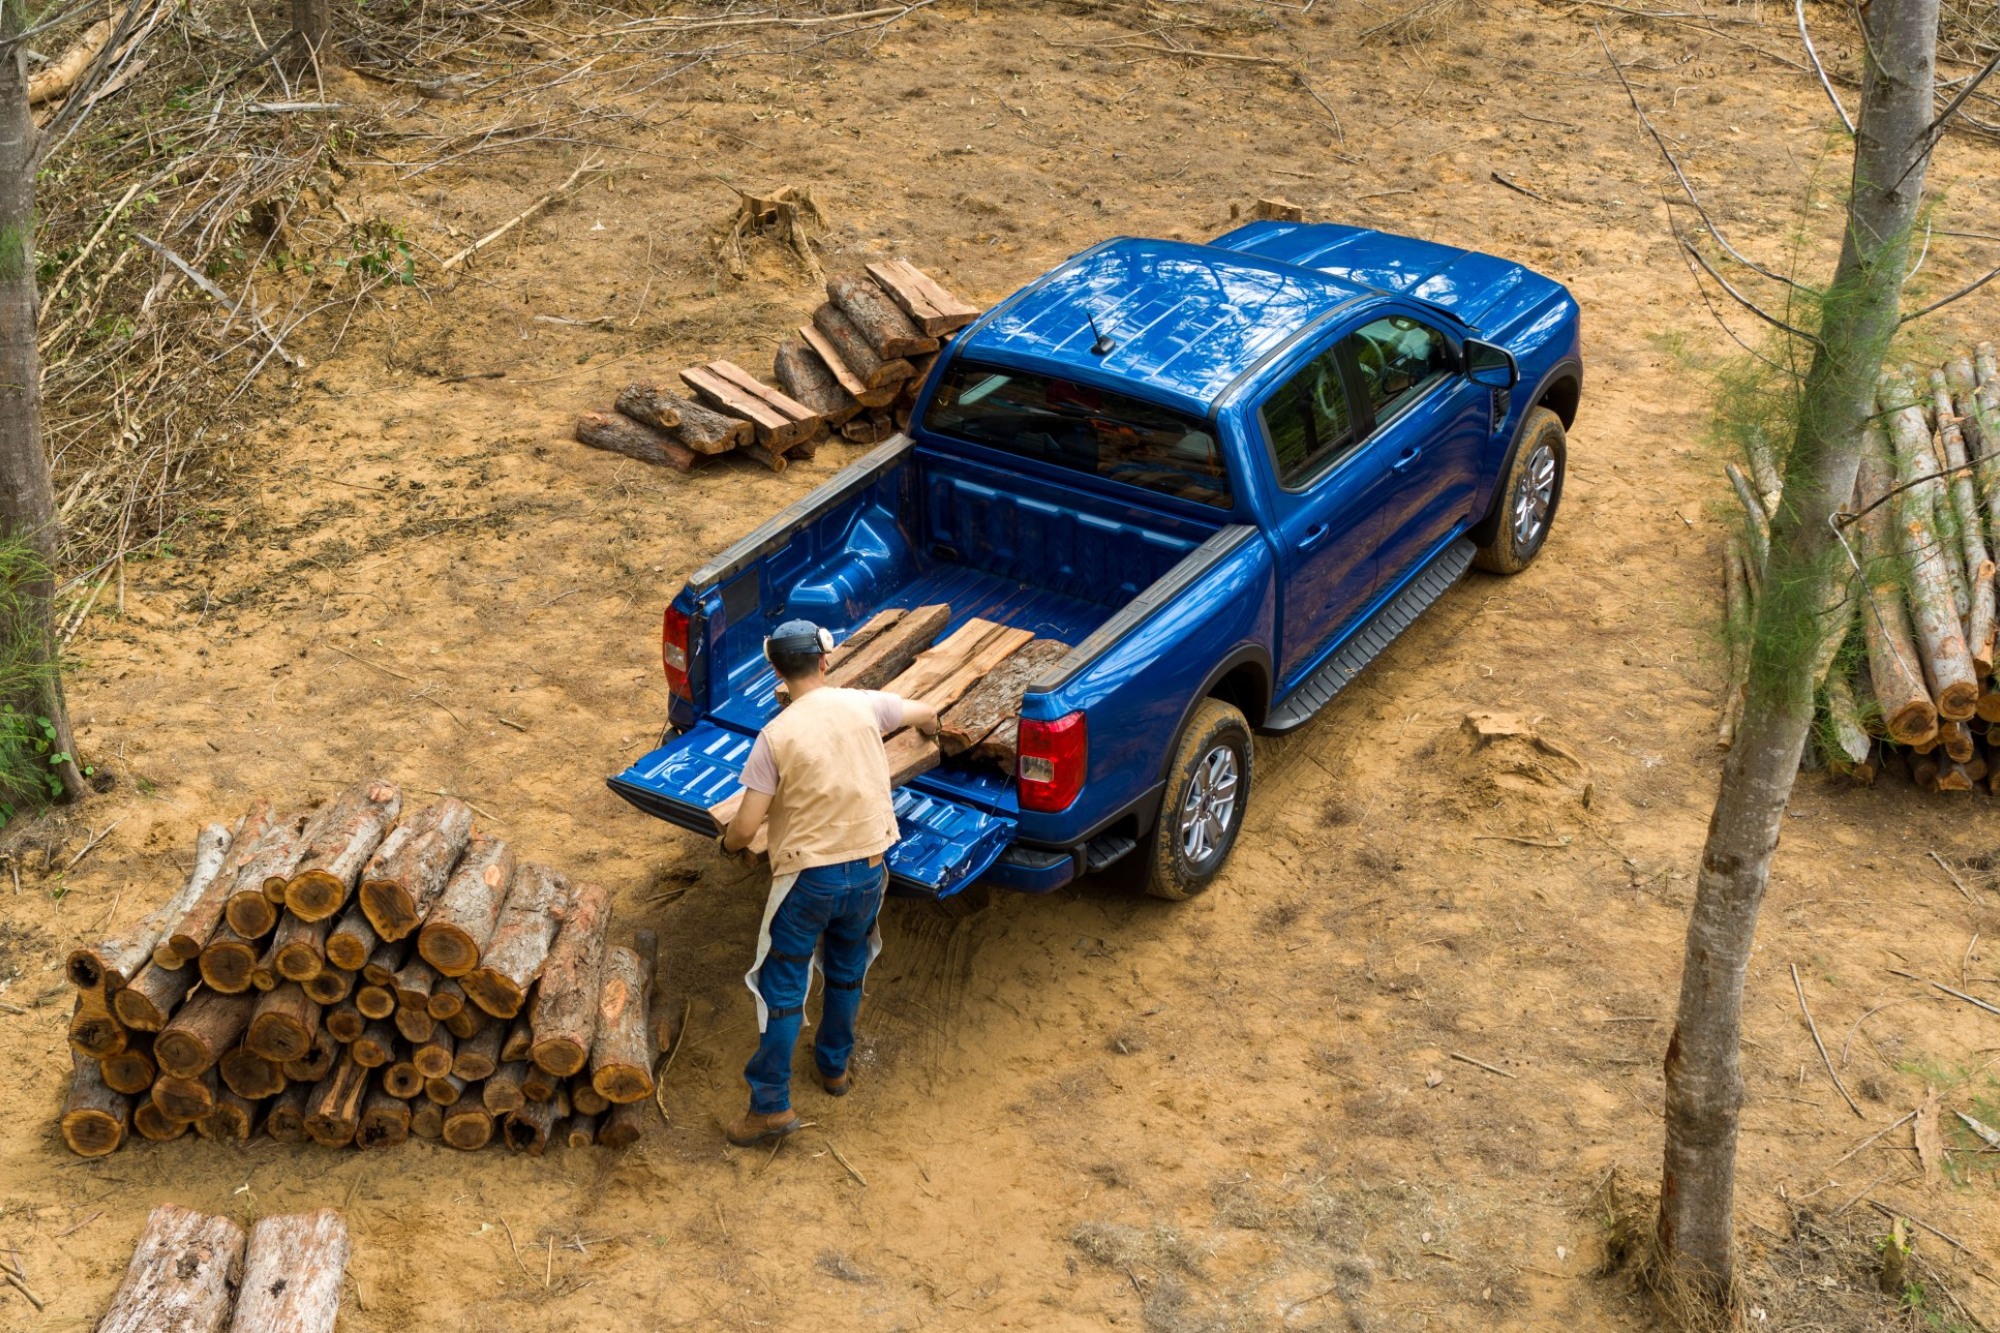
(1229, 474)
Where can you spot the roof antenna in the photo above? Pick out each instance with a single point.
(1103, 346)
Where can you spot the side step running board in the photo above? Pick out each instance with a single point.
(1367, 643)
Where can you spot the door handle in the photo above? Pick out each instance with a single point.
(1407, 461)
(1314, 535)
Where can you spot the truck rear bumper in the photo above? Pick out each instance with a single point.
(1026, 869)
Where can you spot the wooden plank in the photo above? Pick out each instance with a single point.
(935, 310)
(942, 673)
(776, 398)
(997, 698)
(890, 653)
(843, 374)
(864, 634)
(851, 345)
(772, 426)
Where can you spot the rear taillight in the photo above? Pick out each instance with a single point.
(674, 651)
(1051, 760)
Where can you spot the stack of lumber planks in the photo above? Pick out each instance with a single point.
(352, 974)
(854, 370)
(1904, 655)
(975, 678)
(192, 1271)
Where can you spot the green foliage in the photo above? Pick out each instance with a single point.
(380, 250)
(28, 668)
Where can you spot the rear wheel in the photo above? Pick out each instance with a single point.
(1529, 494)
(1208, 789)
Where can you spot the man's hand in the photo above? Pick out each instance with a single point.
(920, 715)
(735, 839)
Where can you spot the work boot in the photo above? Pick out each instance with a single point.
(755, 1127)
(837, 1085)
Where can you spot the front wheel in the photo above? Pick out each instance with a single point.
(1529, 494)
(1208, 789)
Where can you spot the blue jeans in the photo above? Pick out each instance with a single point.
(835, 904)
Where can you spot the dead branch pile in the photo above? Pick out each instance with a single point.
(975, 677)
(1904, 653)
(855, 369)
(190, 1271)
(354, 974)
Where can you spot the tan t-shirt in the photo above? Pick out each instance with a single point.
(831, 801)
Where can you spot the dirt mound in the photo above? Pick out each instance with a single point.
(1501, 763)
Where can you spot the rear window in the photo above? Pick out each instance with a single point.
(1082, 427)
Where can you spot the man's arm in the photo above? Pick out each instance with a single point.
(749, 818)
(918, 714)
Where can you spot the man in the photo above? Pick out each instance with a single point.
(819, 772)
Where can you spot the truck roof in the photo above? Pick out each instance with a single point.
(1187, 320)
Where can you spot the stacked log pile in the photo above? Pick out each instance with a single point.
(1904, 657)
(853, 371)
(975, 677)
(355, 974)
(192, 1271)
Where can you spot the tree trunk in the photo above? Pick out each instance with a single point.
(565, 1011)
(933, 309)
(621, 1061)
(779, 420)
(1704, 1076)
(152, 1124)
(520, 1039)
(94, 1118)
(463, 918)
(344, 838)
(538, 1084)
(411, 870)
(27, 493)
(182, 1276)
(311, 21)
(513, 958)
(292, 1274)
(205, 1027)
(110, 964)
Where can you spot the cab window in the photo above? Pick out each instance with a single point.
(1398, 359)
(1309, 422)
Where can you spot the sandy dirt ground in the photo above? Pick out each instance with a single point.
(1085, 1110)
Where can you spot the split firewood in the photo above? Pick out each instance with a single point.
(375, 1001)
(385, 1123)
(298, 947)
(345, 837)
(857, 355)
(232, 1120)
(779, 420)
(205, 1027)
(852, 382)
(447, 1090)
(911, 755)
(564, 1017)
(183, 1275)
(622, 1056)
(292, 1274)
(1933, 605)
(433, 1058)
(253, 903)
(109, 964)
(412, 867)
(249, 1075)
(375, 1047)
(152, 1124)
(514, 956)
(622, 1125)
(187, 1099)
(94, 1116)
(933, 309)
(285, 1119)
(526, 1130)
(330, 986)
(132, 1070)
(182, 942)
(873, 428)
(942, 674)
(805, 377)
(151, 998)
(462, 920)
(468, 1125)
(886, 325)
(415, 1024)
(891, 652)
(426, 1119)
(1895, 671)
(619, 434)
(699, 428)
(1980, 623)
(345, 1023)
(227, 962)
(334, 1112)
(352, 939)
(476, 1059)
(403, 1079)
(318, 1062)
(284, 1024)
(996, 697)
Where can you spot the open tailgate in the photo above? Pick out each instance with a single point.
(945, 844)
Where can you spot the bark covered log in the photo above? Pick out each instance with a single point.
(298, 947)
(501, 1093)
(187, 1099)
(468, 1125)
(1894, 666)
(375, 1001)
(426, 1119)
(385, 1121)
(433, 1058)
(182, 1278)
(582, 1131)
(850, 346)
(249, 1075)
(182, 942)
(806, 377)
(415, 1023)
(618, 434)
(622, 1125)
(93, 1028)
(1980, 624)
(402, 1079)
(447, 998)
(131, 1071)
(344, 837)
(890, 331)
(585, 1099)
(413, 866)
(152, 1124)
(331, 985)
(513, 958)
(252, 907)
(464, 917)
(292, 1272)
(94, 1117)
(317, 1063)
(352, 940)
(345, 1023)
(1934, 607)
(468, 1021)
(447, 1090)
(778, 420)
(519, 1041)
(996, 699)
(696, 427)
(933, 309)
(228, 961)
(233, 1119)
(205, 1027)
(564, 1017)
(538, 1084)
(621, 1060)
(527, 1129)
(387, 960)
(375, 1047)
(284, 1024)
(110, 963)
(476, 1059)
(151, 998)
(891, 652)
(285, 1121)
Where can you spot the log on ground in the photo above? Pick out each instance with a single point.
(152, 1124)
(233, 1119)
(621, 1059)
(150, 1000)
(292, 1272)
(385, 1121)
(1934, 607)
(131, 1071)
(527, 1129)
(890, 331)
(318, 1063)
(564, 1017)
(249, 1075)
(182, 942)
(94, 1117)
(463, 919)
(848, 345)
(413, 866)
(93, 1028)
(701, 429)
(205, 1027)
(1895, 671)
(183, 1275)
(513, 957)
(284, 1023)
(111, 963)
(806, 378)
(187, 1099)
(616, 433)
(778, 420)
(285, 1121)
(622, 1125)
(467, 1124)
(476, 1059)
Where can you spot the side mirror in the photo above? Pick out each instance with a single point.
(1490, 365)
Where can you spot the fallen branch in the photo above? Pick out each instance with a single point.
(1827, 1060)
(520, 217)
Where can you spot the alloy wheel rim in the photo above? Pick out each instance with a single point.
(1534, 497)
(1209, 805)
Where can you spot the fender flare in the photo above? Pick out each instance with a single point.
(1248, 654)
(1483, 531)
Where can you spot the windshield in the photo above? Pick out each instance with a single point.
(1082, 427)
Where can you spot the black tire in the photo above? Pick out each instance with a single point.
(1526, 502)
(1214, 746)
